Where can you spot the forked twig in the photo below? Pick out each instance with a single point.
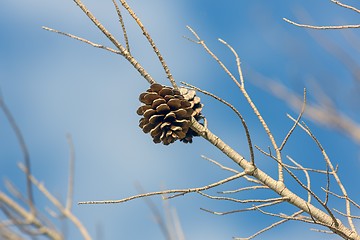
(295, 124)
(165, 192)
(308, 185)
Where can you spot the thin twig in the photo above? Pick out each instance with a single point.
(295, 124)
(327, 184)
(237, 59)
(243, 189)
(321, 27)
(181, 191)
(82, 40)
(121, 20)
(321, 231)
(270, 226)
(152, 43)
(253, 208)
(308, 169)
(306, 175)
(69, 198)
(284, 216)
(345, 215)
(243, 201)
(346, 6)
(24, 150)
(343, 197)
(220, 165)
(251, 103)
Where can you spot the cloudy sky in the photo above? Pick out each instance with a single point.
(55, 85)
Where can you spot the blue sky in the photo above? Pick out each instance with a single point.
(55, 85)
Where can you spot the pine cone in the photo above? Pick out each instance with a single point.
(166, 114)
(190, 95)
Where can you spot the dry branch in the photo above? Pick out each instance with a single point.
(249, 169)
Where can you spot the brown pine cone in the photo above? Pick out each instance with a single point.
(166, 114)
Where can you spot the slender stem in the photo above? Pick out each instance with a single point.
(24, 150)
(321, 27)
(152, 43)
